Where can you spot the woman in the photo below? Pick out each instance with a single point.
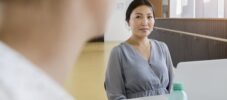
(139, 67)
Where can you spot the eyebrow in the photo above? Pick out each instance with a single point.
(142, 14)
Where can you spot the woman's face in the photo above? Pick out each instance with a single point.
(142, 21)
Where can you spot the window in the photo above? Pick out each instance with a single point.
(198, 9)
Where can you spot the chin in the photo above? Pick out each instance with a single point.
(144, 34)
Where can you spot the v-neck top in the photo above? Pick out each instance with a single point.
(129, 75)
(137, 52)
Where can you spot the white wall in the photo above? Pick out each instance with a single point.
(117, 28)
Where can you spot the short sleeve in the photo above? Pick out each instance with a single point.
(114, 81)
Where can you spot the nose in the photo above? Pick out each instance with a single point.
(144, 21)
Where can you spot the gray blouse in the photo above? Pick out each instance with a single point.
(129, 75)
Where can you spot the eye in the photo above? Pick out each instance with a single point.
(137, 17)
(150, 17)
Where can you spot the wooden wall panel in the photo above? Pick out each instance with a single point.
(191, 48)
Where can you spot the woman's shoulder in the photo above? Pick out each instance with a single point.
(122, 45)
(162, 46)
(158, 43)
(122, 48)
(117, 49)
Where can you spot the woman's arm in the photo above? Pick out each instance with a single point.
(170, 66)
(114, 81)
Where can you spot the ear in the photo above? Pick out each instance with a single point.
(128, 25)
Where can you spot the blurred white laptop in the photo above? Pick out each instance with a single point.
(203, 80)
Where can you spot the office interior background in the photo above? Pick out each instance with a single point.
(195, 32)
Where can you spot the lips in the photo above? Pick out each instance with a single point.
(144, 29)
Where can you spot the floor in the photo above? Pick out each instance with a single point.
(87, 78)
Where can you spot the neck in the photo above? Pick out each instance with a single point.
(37, 35)
(138, 41)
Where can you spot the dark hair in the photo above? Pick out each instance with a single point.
(136, 3)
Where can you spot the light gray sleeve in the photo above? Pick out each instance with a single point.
(114, 82)
(170, 66)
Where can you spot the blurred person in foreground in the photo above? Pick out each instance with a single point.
(40, 41)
